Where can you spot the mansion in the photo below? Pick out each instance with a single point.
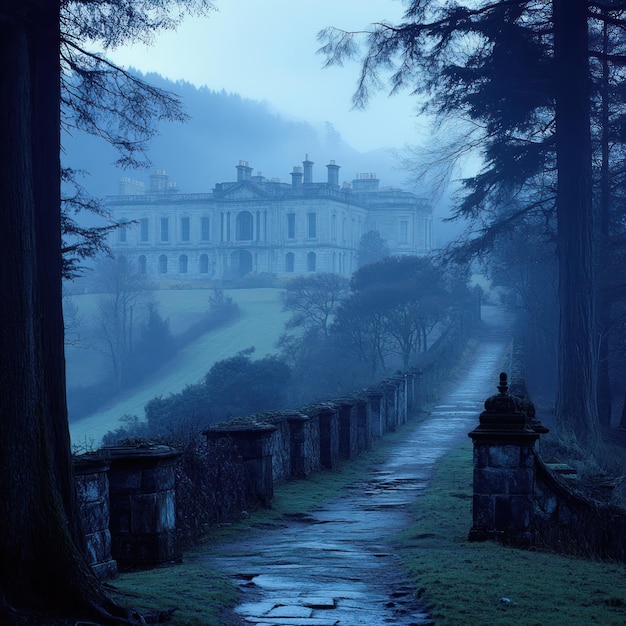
(260, 225)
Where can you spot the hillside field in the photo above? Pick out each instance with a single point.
(259, 325)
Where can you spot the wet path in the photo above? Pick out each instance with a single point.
(334, 566)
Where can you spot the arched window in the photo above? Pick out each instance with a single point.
(289, 262)
(243, 226)
(204, 264)
(310, 261)
(162, 264)
(142, 264)
(182, 264)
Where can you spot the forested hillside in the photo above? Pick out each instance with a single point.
(222, 129)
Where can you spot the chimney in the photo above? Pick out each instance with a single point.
(244, 171)
(158, 181)
(308, 170)
(333, 174)
(365, 183)
(296, 176)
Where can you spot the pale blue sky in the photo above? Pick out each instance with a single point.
(265, 50)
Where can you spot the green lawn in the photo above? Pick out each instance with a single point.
(465, 583)
(197, 594)
(260, 324)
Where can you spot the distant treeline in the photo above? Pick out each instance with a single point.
(222, 129)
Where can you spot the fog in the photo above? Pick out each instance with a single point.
(269, 104)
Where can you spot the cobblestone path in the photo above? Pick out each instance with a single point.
(334, 567)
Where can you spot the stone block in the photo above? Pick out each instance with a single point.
(490, 481)
(158, 478)
(99, 546)
(481, 455)
(527, 456)
(512, 512)
(520, 481)
(124, 480)
(166, 505)
(504, 456)
(144, 513)
(120, 514)
(90, 487)
(483, 511)
(95, 515)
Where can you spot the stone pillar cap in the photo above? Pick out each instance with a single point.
(502, 417)
(238, 427)
(142, 449)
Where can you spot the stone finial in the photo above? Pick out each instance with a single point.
(502, 402)
(503, 387)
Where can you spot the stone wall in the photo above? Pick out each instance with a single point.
(128, 498)
(565, 520)
(143, 505)
(318, 436)
(519, 500)
(92, 489)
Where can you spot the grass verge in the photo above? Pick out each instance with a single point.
(198, 594)
(464, 582)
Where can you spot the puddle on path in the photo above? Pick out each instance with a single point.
(334, 566)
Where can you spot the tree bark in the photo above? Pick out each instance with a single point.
(603, 304)
(42, 564)
(576, 397)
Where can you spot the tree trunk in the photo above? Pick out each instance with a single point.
(42, 563)
(576, 397)
(603, 302)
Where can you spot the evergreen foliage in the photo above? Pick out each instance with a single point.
(524, 74)
(372, 248)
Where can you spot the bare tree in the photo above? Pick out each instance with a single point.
(312, 300)
(123, 309)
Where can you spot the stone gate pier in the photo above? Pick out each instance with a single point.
(519, 500)
(504, 471)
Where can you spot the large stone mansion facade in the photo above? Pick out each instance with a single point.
(263, 226)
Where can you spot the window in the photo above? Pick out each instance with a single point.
(162, 264)
(311, 225)
(184, 229)
(122, 233)
(421, 233)
(204, 264)
(403, 236)
(142, 264)
(289, 262)
(291, 225)
(182, 263)
(244, 226)
(310, 260)
(204, 229)
(143, 229)
(165, 229)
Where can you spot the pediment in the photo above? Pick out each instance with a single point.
(243, 191)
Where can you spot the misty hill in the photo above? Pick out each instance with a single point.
(224, 128)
